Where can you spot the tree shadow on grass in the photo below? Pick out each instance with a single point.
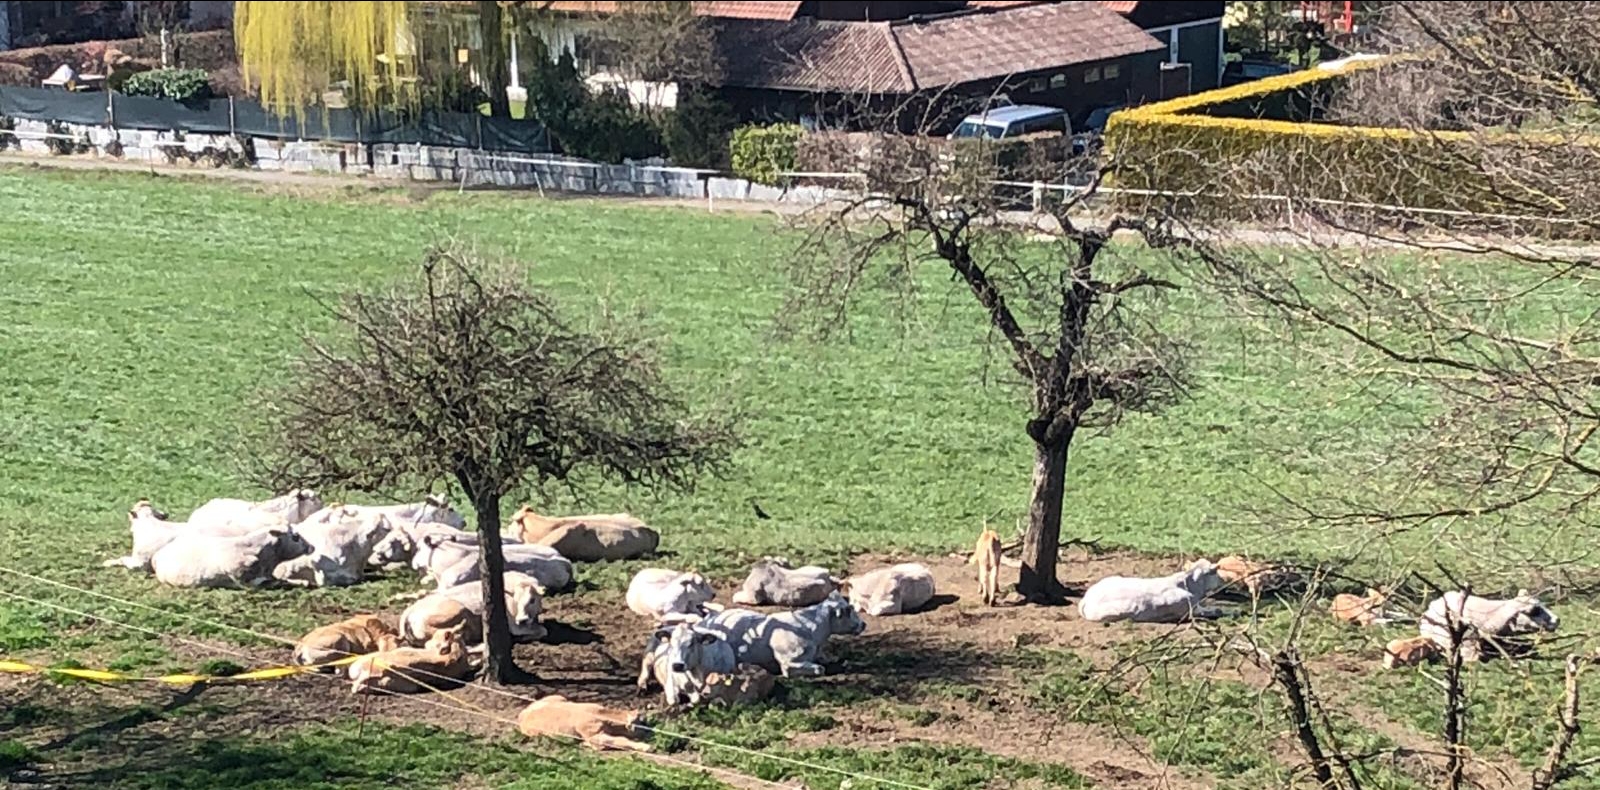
(899, 664)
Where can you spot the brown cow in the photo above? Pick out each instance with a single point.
(357, 636)
(408, 670)
(1359, 610)
(1409, 652)
(597, 726)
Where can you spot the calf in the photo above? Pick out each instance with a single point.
(1166, 599)
(1409, 652)
(773, 583)
(658, 593)
(1255, 577)
(680, 658)
(1359, 610)
(408, 670)
(292, 507)
(597, 726)
(341, 545)
(787, 643)
(596, 542)
(1502, 622)
(987, 557)
(745, 685)
(898, 589)
(211, 561)
(356, 636)
(462, 606)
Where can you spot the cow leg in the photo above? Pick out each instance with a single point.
(1207, 613)
(804, 669)
(601, 741)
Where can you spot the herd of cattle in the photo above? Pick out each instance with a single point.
(697, 651)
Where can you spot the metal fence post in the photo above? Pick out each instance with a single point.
(233, 124)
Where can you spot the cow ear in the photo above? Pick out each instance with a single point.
(1523, 593)
(705, 638)
(437, 500)
(663, 634)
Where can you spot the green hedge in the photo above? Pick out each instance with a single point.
(176, 84)
(762, 153)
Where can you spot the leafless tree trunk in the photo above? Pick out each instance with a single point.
(1042, 544)
(496, 621)
(1554, 769)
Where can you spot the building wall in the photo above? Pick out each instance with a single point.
(1201, 47)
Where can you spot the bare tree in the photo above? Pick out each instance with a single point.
(1072, 317)
(468, 373)
(662, 41)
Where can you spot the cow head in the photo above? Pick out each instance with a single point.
(842, 616)
(304, 503)
(396, 547)
(527, 603)
(290, 544)
(1202, 578)
(143, 509)
(1532, 615)
(445, 641)
(436, 509)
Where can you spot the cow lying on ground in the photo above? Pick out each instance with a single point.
(409, 670)
(434, 509)
(404, 546)
(461, 607)
(357, 636)
(597, 726)
(680, 658)
(210, 561)
(1502, 623)
(773, 583)
(341, 543)
(291, 508)
(1358, 609)
(1166, 599)
(1409, 652)
(452, 562)
(1255, 577)
(151, 530)
(658, 593)
(612, 536)
(898, 589)
(788, 643)
(745, 685)
(986, 556)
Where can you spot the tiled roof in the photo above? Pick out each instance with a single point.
(984, 46)
(1121, 6)
(907, 56)
(731, 9)
(811, 55)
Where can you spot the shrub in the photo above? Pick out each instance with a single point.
(696, 132)
(182, 85)
(16, 74)
(605, 128)
(762, 153)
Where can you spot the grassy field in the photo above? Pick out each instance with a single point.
(140, 314)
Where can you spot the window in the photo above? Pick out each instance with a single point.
(1058, 82)
(1092, 74)
(1036, 85)
(1112, 71)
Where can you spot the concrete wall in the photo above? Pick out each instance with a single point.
(412, 162)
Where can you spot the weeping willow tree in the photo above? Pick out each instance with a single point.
(296, 51)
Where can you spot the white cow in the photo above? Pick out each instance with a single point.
(1500, 621)
(151, 530)
(402, 546)
(898, 589)
(451, 563)
(292, 507)
(773, 582)
(787, 643)
(658, 593)
(435, 509)
(211, 561)
(341, 545)
(1166, 599)
(681, 659)
(438, 610)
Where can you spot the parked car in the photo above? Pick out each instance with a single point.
(1239, 71)
(1088, 140)
(998, 123)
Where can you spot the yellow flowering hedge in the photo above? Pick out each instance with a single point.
(1212, 162)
